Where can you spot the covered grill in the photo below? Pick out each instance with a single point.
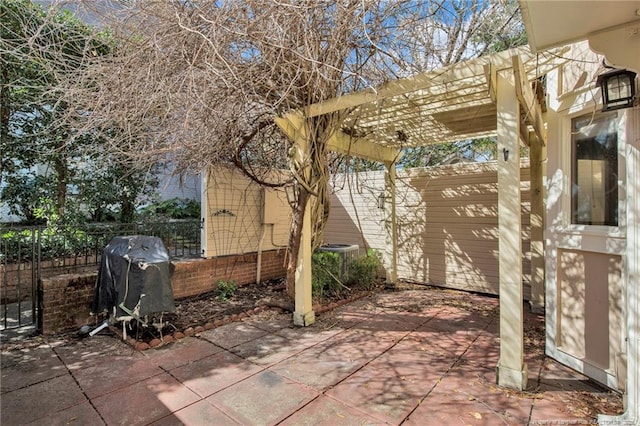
(134, 279)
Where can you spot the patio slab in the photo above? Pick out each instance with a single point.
(144, 402)
(385, 390)
(474, 387)
(212, 374)
(234, 334)
(39, 400)
(263, 399)
(81, 414)
(29, 366)
(181, 352)
(407, 357)
(328, 411)
(110, 374)
(200, 413)
(267, 351)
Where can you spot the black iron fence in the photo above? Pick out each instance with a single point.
(28, 253)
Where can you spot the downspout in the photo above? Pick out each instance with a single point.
(263, 229)
(204, 211)
(391, 227)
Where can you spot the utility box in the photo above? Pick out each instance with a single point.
(274, 203)
(347, 253)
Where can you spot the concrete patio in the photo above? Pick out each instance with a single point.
(414, 357)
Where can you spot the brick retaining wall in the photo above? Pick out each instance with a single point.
(66, 299)
(198, 276)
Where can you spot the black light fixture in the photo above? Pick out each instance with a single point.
(381, 200)
(618, 89)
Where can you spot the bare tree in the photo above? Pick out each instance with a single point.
(202, 81)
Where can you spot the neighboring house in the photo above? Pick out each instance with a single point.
(178, 186)
(6, 216)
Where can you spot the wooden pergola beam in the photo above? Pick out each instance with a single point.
(293, 126)
(361, 147)
(528, 101)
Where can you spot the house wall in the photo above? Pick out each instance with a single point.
(446, 219)
(240, 216)
(586, 266)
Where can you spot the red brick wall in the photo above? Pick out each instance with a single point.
(66, 299)
(198, 276)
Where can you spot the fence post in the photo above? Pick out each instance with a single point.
(37, 301)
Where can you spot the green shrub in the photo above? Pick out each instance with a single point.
(175, 208)
(364, 269)
(225, 289)
(51, 241)
(325, 274)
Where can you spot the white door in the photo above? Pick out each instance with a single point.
(586, 244)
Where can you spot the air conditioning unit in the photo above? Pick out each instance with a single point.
(347, 253)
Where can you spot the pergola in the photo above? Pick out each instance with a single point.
(497, 95)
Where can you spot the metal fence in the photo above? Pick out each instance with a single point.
(29, 253)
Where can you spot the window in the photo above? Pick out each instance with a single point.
(594, 170)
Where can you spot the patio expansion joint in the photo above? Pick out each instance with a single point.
(53, 349)
(203, 339)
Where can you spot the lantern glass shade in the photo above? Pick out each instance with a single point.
(618, 89)
(291, 193)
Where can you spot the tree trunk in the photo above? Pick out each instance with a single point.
(62, 177)
(5, 112)
(294, 240)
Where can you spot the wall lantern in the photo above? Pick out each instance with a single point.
(618, 89)
(381, 200)
(292, 194)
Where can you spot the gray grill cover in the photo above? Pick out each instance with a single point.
(135, 270)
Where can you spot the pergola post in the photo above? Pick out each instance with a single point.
(303, 314)
(294, 126)
(511, 370)
(391, 228)
(537, 154)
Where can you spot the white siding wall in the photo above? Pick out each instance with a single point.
(447, 223)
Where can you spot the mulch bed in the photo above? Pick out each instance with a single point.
(207, 311)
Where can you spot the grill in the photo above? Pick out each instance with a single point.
(134, 280)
